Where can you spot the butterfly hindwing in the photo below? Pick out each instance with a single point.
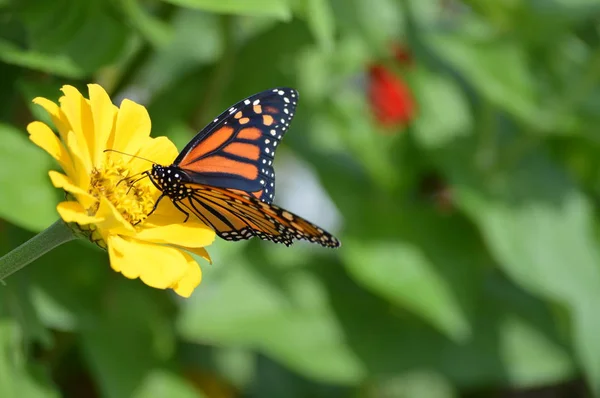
(235, 217)
(236, 150)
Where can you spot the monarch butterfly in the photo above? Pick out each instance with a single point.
(225, 177)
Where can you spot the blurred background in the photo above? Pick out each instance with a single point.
(452, 146)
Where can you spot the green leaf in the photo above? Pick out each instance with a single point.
(409, 254)
(511, 323)
(320, 19)
(17, 297)
(151, 28)
(29, 89)
(406, 275)
(347, 124)
(16, 379)
(422, 384)
(285, 314)
(378, 22)
(292, 323)
(98, 22)
(64, 48)
(191, 96)
(271, 8)
(160, 383)
(82, 270)
(28, 199)
(444, 113)
(505, 323)
(39, 20)
(128, 339)
(425, 14)
(59, 64)
(236, 365)
(535, 359)
(52, 312)
(278, 46)
(538, 226)
(160, 73)
(498, 70)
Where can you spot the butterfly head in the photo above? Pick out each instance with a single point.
(170, 180)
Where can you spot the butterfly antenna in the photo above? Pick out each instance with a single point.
(128, 154)
(129, 178)
(134, 182)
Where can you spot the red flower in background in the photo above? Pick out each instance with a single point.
(390, 97)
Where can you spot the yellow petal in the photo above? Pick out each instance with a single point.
(103, 115)
(62, 181)
(113, 221)
(190, 280)
(45, 138)
(189, 234)
(156, 265)
(201, 252)
(159, 150)
(58, 117)
(73, 212)
(167, 213)
(132, 128)
(79, 114)
(82, 168)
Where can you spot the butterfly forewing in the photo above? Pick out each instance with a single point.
(236, 149)
(234, 217)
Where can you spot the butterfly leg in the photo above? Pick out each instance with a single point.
(153, 209)
(187, 215)
(156, 204)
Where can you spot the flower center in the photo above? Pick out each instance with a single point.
(134, 202)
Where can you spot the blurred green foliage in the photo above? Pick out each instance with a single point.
(485, 285)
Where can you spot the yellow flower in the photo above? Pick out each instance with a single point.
(105, 207)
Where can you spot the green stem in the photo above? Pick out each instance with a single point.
(53, 236)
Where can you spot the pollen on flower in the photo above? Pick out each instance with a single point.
(134, 202)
